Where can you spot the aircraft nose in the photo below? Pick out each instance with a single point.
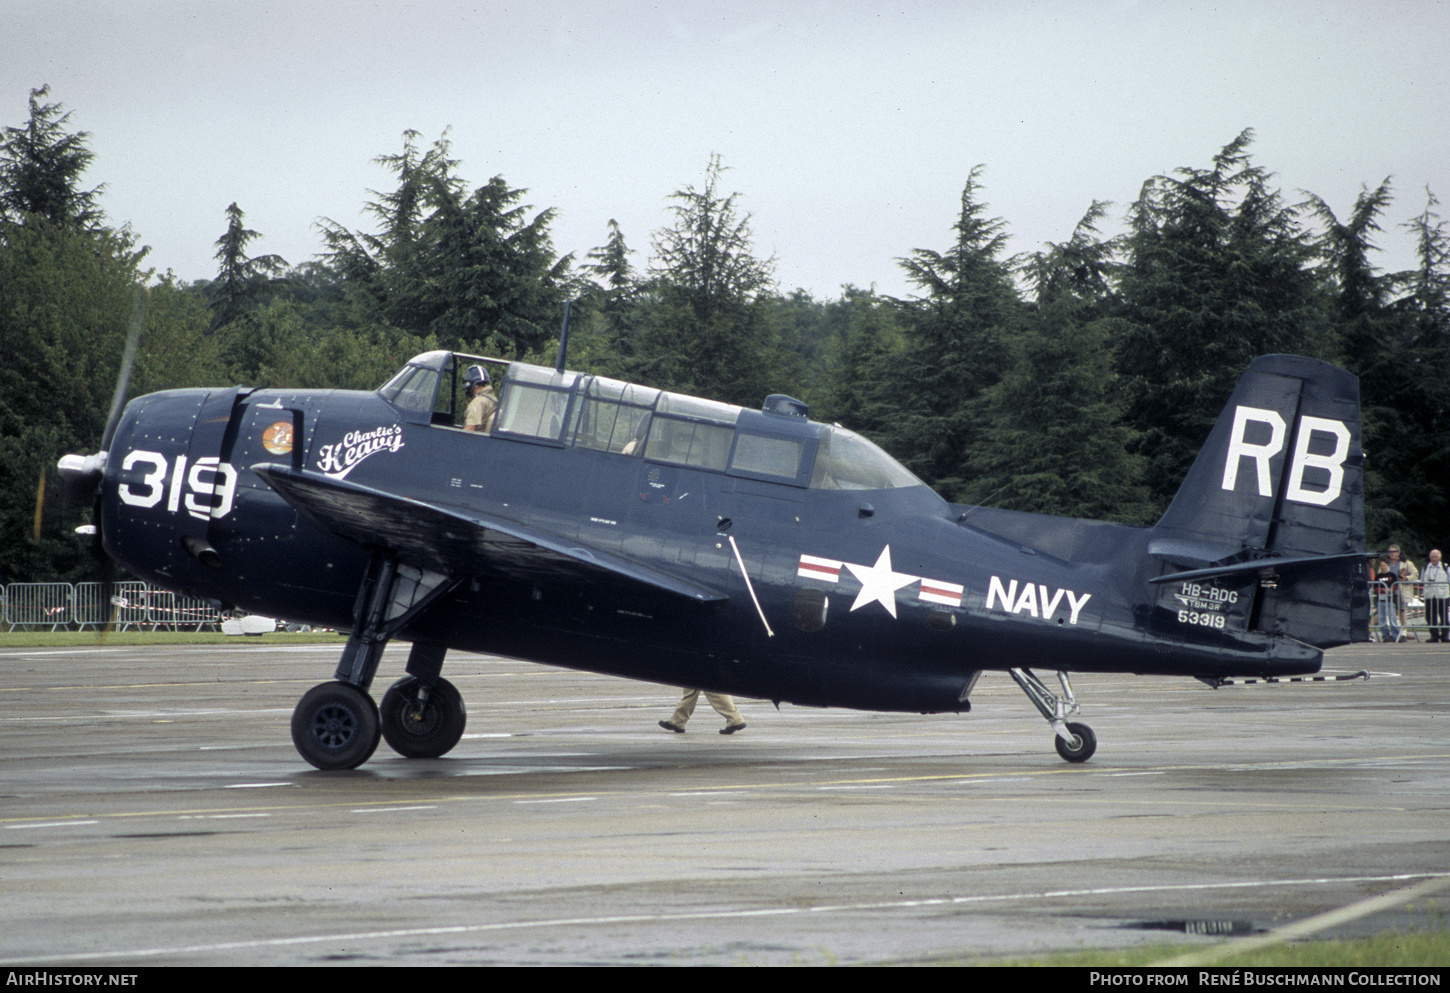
(144, 482)
(83, 468)
(82, 476)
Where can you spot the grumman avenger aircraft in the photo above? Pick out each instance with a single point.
(599, 525)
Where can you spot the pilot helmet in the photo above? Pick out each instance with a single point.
(477, 375)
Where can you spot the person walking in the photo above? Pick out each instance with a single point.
(723, 704)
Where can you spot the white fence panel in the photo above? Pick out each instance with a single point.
(34, 605)
(83, 606)
(173, 611)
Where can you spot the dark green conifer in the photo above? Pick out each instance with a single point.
(1217, 272)
(957, 345)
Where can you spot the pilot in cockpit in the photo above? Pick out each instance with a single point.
(482, 405)
(635, 445)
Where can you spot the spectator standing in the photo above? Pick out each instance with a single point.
(1436, 578)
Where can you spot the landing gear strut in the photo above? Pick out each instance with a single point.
(337, 725)
(1075, 742)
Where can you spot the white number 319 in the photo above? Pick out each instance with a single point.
(207, 490)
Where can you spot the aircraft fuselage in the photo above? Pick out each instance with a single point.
(871, 598)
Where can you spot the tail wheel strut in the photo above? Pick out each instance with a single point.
(1075, 742)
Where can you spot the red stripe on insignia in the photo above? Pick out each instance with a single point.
(812, 567)
(935, 591)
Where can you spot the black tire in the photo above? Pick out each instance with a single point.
(335, 726)
(1081, 748)
(430, 734)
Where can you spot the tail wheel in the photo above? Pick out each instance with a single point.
(335, 726)
(1082, 745)
(427, 730)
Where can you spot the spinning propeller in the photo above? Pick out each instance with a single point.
(83, 474)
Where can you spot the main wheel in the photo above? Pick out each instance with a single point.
(422, 732)
(335, 726)
(1082, 745)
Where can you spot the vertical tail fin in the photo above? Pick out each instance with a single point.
(1281, 477)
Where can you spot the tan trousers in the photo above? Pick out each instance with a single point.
(723, 705)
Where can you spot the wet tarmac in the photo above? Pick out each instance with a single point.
(154, 812)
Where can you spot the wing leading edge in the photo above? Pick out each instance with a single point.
(452, 542)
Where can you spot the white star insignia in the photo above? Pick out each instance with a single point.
(879, 583)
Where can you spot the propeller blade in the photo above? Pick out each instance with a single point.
(39, 502)
(82, 474)
(128, 361)
(80, 477)
(118, 404)
(108, 573)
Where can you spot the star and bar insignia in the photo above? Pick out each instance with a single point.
(879, 582)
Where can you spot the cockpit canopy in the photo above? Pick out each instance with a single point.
(545, 406)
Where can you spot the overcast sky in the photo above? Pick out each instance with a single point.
(848, 127)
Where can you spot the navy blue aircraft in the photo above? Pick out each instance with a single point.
(599, 525)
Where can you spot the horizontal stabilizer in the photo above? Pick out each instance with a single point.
(1275, 565)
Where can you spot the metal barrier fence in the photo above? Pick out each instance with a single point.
(38, 605)
(83, 606)
(174, 611)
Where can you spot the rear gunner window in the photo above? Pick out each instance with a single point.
(691, 431)
(613, 416)
(534, 402)
(689, 443)
(767, 456)
(535, 412)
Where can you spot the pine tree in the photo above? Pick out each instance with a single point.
(240, 279)
(957, 345)
(458, 266)
(40, 169)
(1217, 273)
(1408, 443)
(67, 286)
(610, 304)
(1370, 338)
(1426, 288)
(708, 332)
(492, 271)
(866, 381)
(1052, 438)
(1346, 246)
(610, 263)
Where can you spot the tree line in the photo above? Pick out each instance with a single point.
(1080, 379)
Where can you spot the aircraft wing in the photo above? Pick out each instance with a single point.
(454, 542)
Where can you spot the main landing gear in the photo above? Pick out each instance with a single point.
(1075, 742)
(337, 726)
